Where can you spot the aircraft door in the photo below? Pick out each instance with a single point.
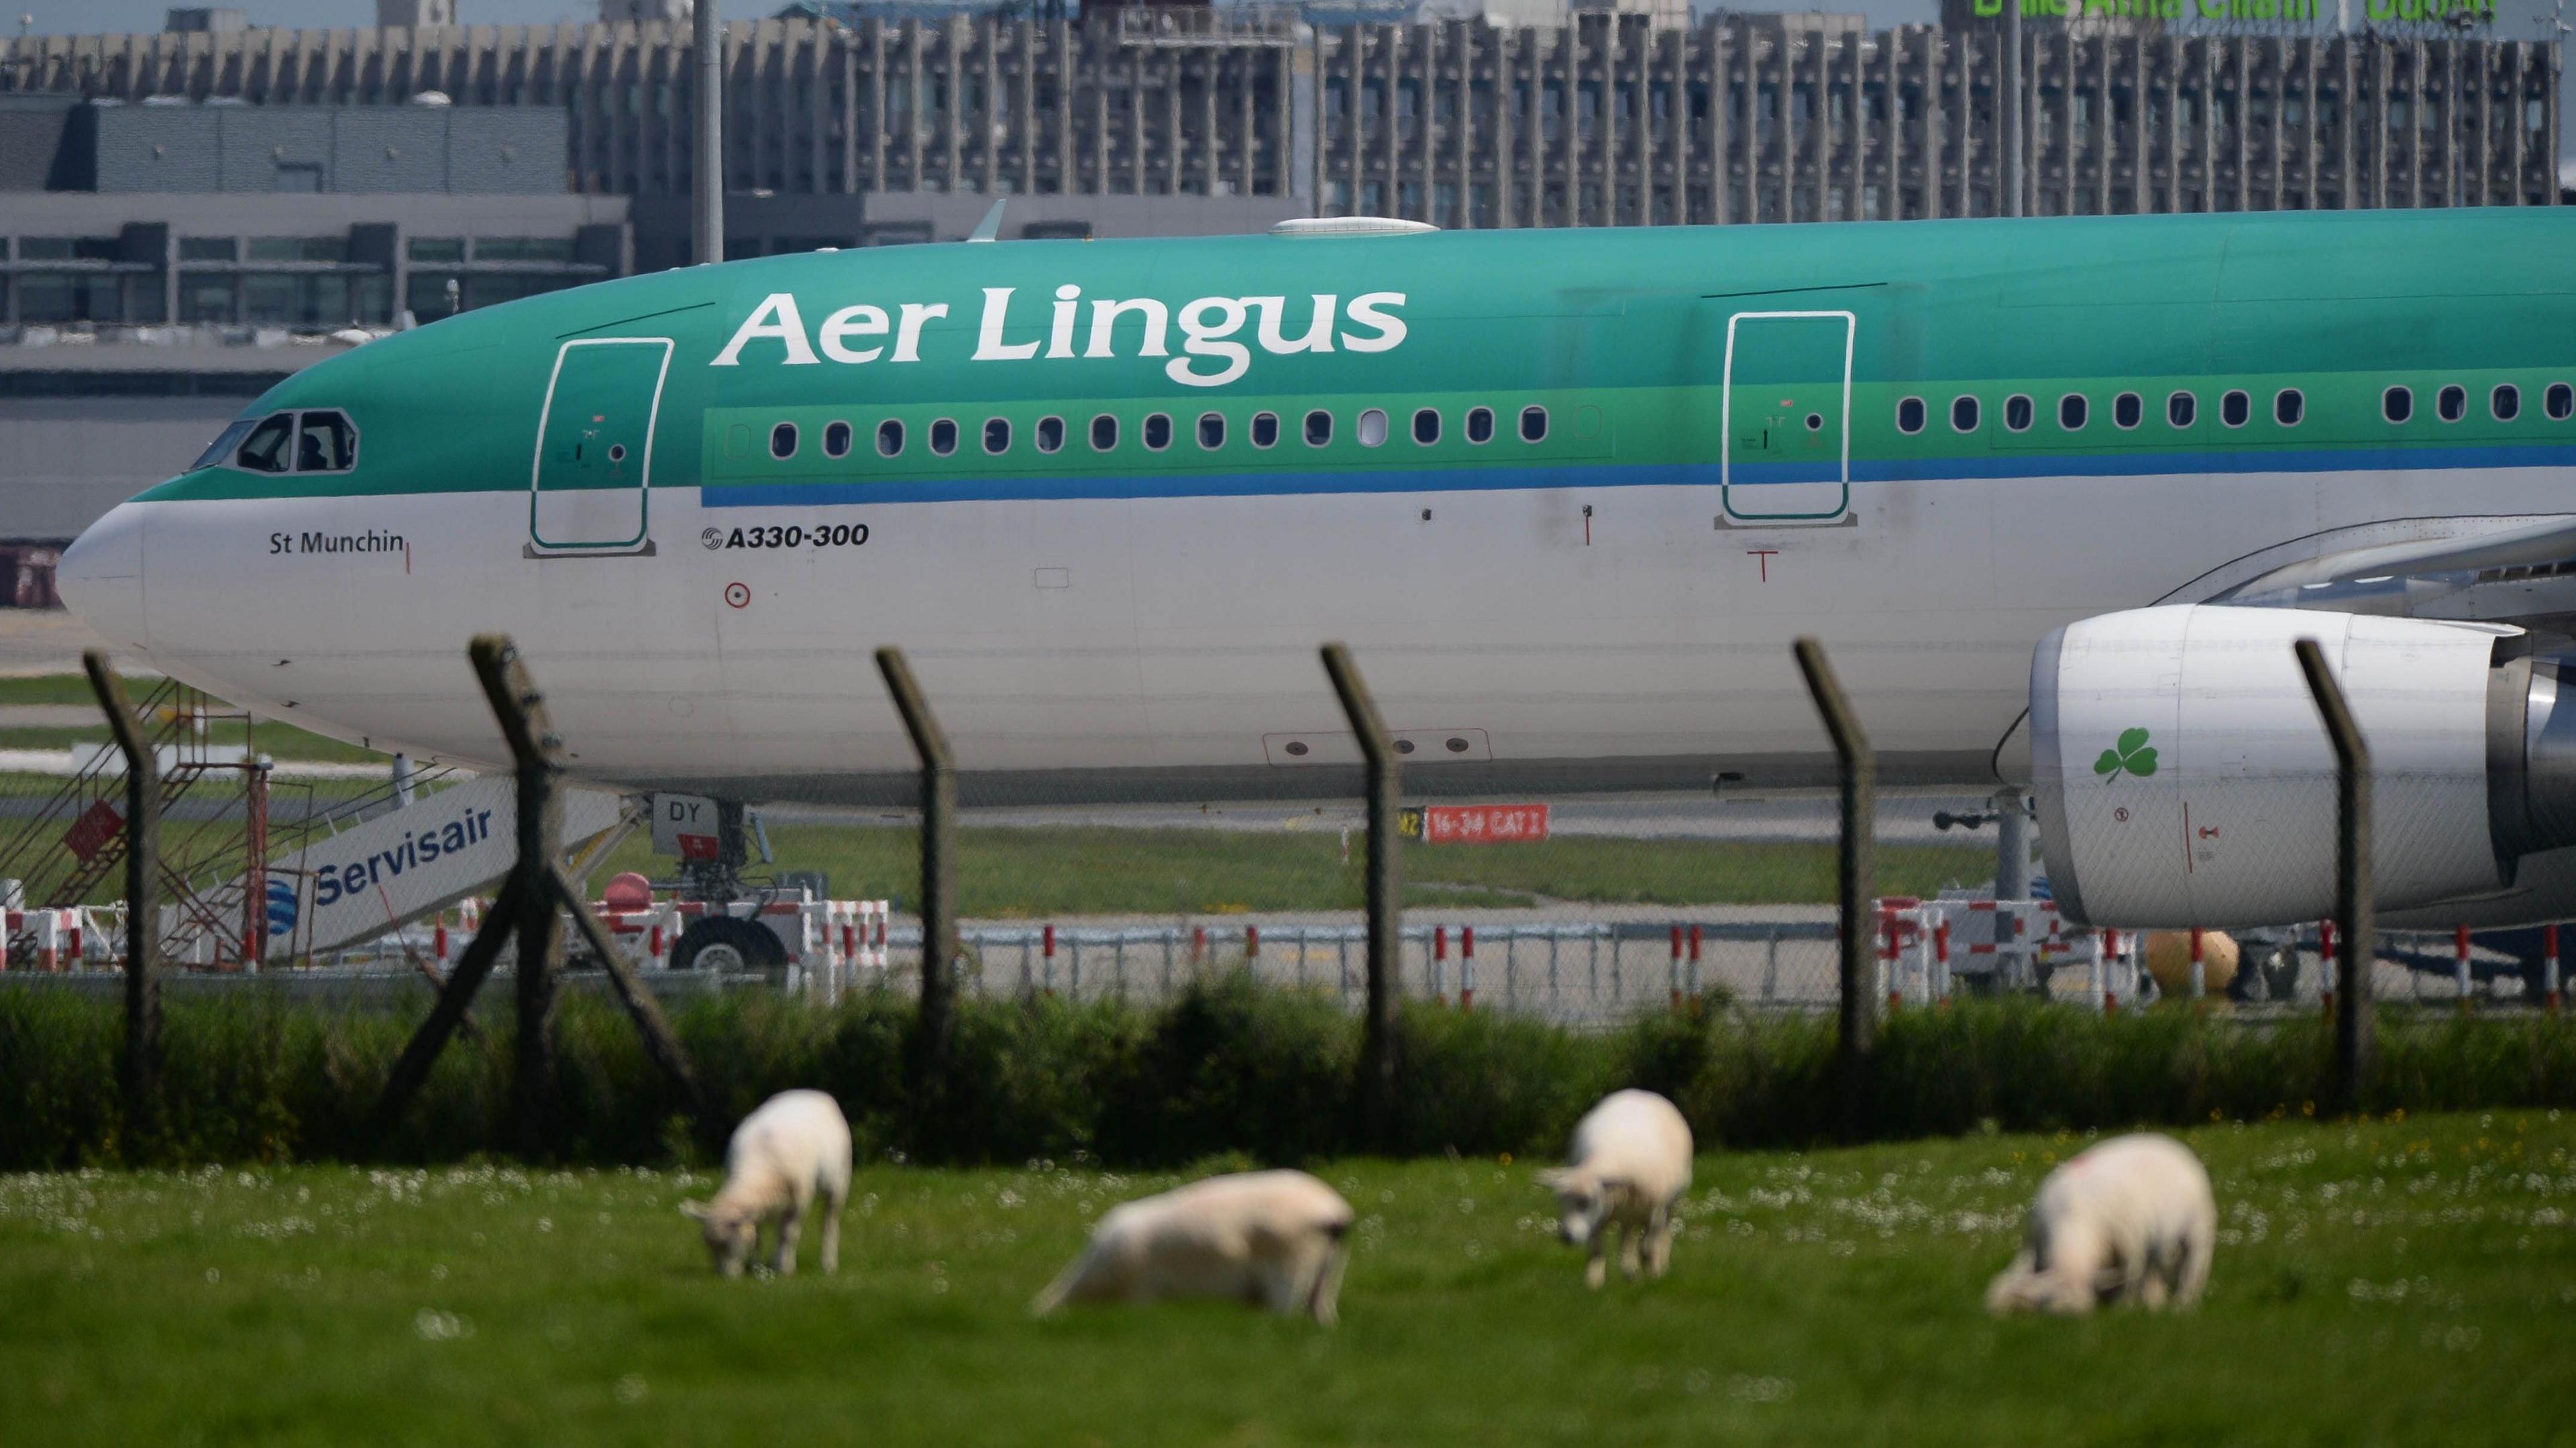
(1786, 428)
(591, 488)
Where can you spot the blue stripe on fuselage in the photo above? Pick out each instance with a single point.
(1056, 487)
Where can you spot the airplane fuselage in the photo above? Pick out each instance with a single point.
(1568, 495)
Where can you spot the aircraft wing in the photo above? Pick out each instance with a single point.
(2515, 570)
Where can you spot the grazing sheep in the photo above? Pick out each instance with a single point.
(1269, 1239)
(793, 1150)
(1630, 1165)
(2131, 1219)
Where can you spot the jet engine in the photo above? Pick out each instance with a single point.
(2185, 778)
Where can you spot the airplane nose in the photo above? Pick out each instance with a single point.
(101, 576)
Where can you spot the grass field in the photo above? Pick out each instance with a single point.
(2381, 1282)
(1038, 871)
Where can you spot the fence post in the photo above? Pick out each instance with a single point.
(1855, 875)
(527, 907)
(929, 1063)
(1385, 906)
(139, 1068)
(2356, 1049)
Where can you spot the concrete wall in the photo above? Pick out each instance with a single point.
(349, 149)
(69, 460)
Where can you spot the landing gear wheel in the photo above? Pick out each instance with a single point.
(722, 944)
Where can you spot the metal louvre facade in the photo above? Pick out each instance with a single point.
(1747, 118)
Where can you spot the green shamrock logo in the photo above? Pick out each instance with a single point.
(2134, 756)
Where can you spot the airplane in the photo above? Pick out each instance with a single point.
(2057, 494)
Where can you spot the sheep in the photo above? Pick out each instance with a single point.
(1630, 1165)
(2128, 1220)
(1270, 1239)
(792, 1151)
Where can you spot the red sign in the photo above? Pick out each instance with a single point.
(98, 825)
(1483, 824)
(697, 847)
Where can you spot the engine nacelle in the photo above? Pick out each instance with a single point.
(2184, 777)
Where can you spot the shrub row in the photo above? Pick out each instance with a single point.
(1229, 1067)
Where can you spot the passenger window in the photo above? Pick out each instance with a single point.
(1211, 430)
(1909, 416)
(2017, 413)
(836, 440)
(1372, 427)
(2181, 409)
(1319, 428)
(2505, 402)
(1963, 414)
(1426, 426)
(1158, 430)
(2128, 410)
(1050, 436)
(2289, 406)
(1104, 433)
(1265, 429)
(2397, 404)
(889, 437)
(1480, 424)
(2559, 402)
(1533, 424)
(997, 435)
(2451, 403)
(2236, 407)
(2073, 411)
(329, 445)
(943, 436)
(268, 448)
(782, 441)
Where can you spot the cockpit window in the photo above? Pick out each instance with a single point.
(327, 444)
(222, 447)
(271, 445)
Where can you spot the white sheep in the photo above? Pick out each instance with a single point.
(1629, 1167)
(2130, 1219)
(1270, 1239)
(785, 1156)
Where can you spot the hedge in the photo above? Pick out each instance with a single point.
(1227, 1068)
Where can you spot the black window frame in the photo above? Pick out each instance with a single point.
(1534, 410)
(2135, 405)
(952, 434)
(2083, 408)
(285, 449)
(2238, 401)
(2451, 404)
(2289, 407)
(2558, 402)
(1208, 420)
(1473, 414)
(1976, 413)
(304, 420)
(2182, 409)
(1307, 430)
(795, 439)
(2397, 404)
(2504, 402)
(1145, 432)
(890, 431)
(1922, 415)
(1419, 414)
(991, 423)
(1100, 422)
(2029, 412)
(1256, 429)
(847, 434)
(1038, 434)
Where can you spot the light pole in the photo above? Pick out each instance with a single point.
(706, 167)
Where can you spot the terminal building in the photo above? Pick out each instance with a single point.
(1533, 115)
